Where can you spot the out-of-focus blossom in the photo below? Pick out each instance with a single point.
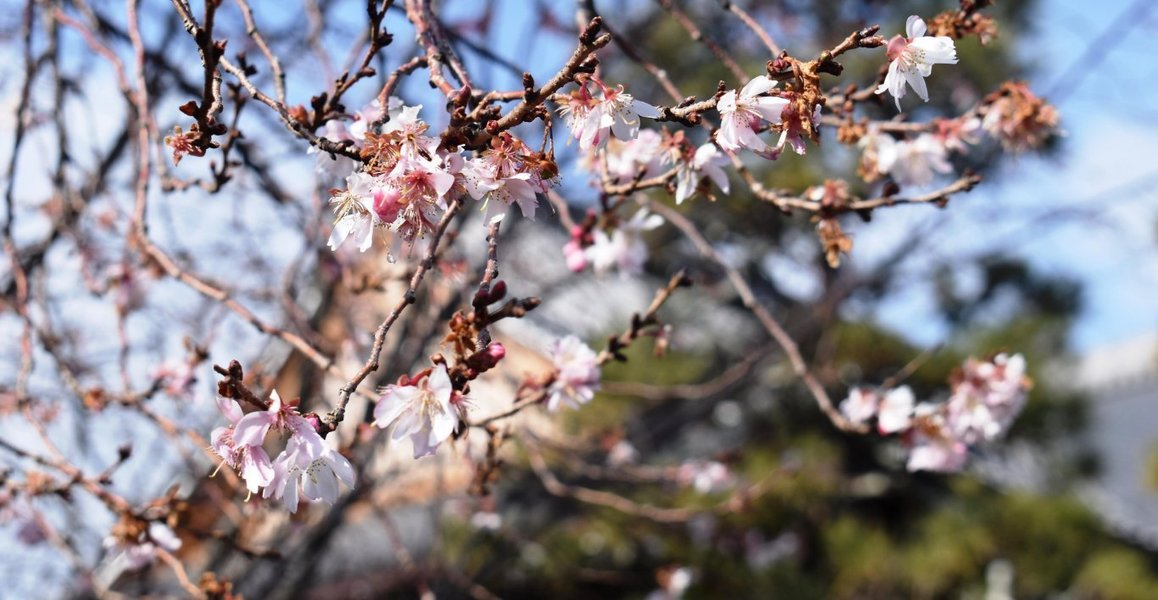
(896, 410)
(706, 477)
(371, 113)
(625, 247)
(625, 160)
(956, 135)
(741, 113)
(673, 583)
(576, 373)
(424, 410)
(139, 548)
(335, 166)
(912, 162)
(622, 453)
(987, 397)
(1018, 118)
(913, 58)
(486, 521)
(575, 255)
(860, 406)
(934, 448)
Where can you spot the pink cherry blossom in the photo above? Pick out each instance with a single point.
(593, 119)
(251, 429)
(576, 373)
(741, 113)
(913, 58)
(932, 445)
(251, 460)
(424, 410)
(987, 399)
(575, 255)
(508, 173)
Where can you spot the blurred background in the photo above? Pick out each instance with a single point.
(1054, 256)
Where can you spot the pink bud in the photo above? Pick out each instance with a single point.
(576, 258)
(496, 351)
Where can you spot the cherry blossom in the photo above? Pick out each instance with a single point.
(741, 113)
(625, 160)
(896, 410)
(508, 173)
(913, 58)
(371, 113)
(425, 410)
(575, 255)
(706, 477)
(591, 119)
(933, 447)
(860, 406)
(251, 460)
(625, 247)
(912, 162)
(794, 130)
(987, 398)
(251, 429)
(309, 466)
(142, 548)
(357, 210)
(577, 373)
(707, 160)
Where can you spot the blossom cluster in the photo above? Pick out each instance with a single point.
(408, 180)
(306, 467)
(985, 397)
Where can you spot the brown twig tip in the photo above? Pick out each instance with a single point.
(590, 36)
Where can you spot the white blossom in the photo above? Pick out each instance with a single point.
(424, 411)
(708, 160)
(576, 373)
(896, 410)
(741, 113)
(625, 247)
(913, 58)
(912, 162)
